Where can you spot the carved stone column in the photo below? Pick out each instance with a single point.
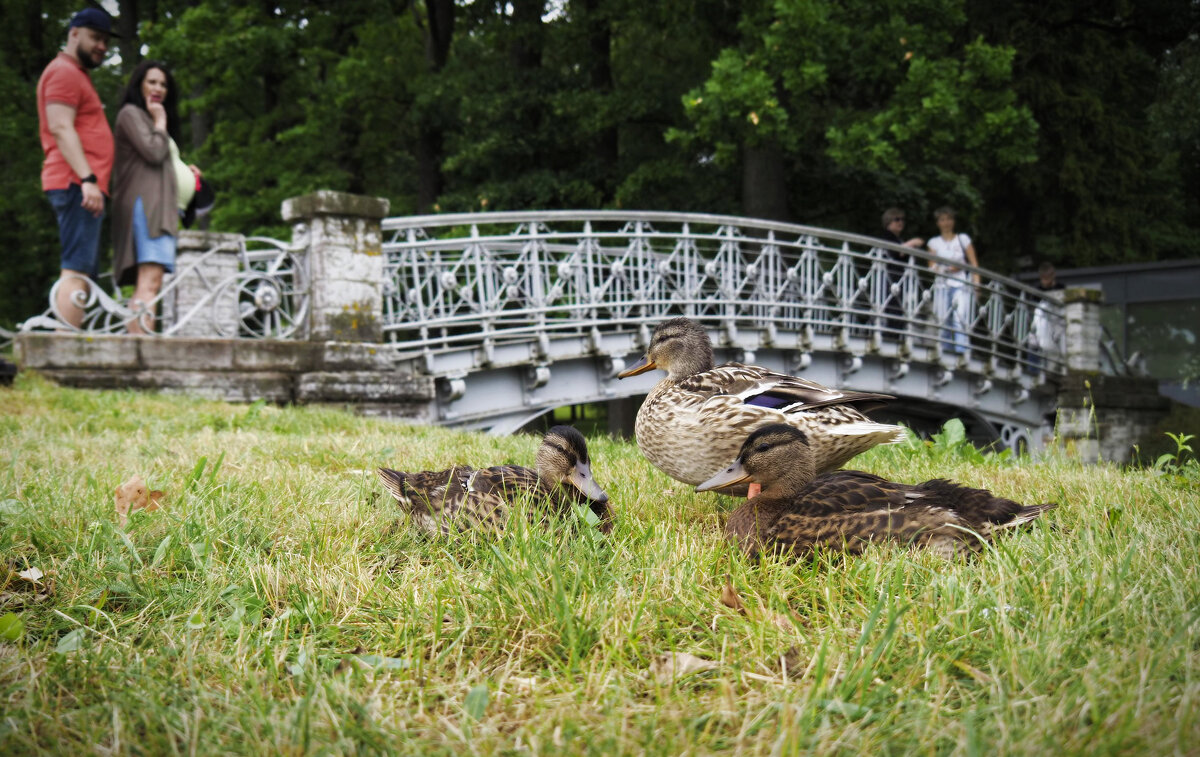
(204, 259)
(345, 262)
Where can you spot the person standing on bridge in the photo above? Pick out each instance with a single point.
(78, 146)
(954, 299)
(897, 262)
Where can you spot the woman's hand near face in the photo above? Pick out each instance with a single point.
(195, 170)
(159, 114)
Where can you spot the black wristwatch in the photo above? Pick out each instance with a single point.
(90, 177)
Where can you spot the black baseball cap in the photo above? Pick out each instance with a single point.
(95, 19)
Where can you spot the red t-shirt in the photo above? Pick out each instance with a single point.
(64, 81)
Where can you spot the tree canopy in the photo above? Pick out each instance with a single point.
(1065, 131)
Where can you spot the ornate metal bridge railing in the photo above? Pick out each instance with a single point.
(452, 280)
(225, 285)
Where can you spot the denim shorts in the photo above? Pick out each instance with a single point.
(78, 229)
(150, 249)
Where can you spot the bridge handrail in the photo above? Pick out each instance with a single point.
(450, 220)
(458, 277)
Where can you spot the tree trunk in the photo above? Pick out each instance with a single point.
(130, 44)
(525, 50)
(606, 145)
(438, 27)
(764, 183)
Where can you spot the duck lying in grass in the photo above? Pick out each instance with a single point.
(799, 511)
(462, 498)
(694, 420)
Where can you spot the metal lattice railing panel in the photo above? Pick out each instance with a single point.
(229, 286)
(515, 275)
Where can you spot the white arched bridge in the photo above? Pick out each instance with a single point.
(493, 319)
(519, 312)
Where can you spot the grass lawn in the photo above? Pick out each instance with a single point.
(276, 604)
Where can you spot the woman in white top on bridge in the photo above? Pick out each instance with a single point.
(954, 296)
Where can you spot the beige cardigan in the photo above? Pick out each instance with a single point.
(142, 168)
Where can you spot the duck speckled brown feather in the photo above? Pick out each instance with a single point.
(694, 421)
(848, 510)
(462, 498)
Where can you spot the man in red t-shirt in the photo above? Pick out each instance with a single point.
(79, 152)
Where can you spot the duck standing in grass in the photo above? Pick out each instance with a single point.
(694, 421)
(799, 511)
(462, 498)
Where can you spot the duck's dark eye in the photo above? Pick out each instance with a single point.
(762, 447)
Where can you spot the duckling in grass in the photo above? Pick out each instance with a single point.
(799, 511)
(462, 498)
(694, 421)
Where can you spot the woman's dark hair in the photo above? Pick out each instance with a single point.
(133, 94)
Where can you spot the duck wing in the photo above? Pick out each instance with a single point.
(422, 488)
(788, 394)
(940, 530)
(461, 498)
(980, 506)
(850, 509)
(850, 491)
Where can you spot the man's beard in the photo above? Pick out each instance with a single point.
(86, 59)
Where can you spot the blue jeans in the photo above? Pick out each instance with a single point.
(78, 229)
(150, 249)
(954, 303)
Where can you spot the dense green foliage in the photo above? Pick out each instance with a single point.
(1066, 132)
(278, 604)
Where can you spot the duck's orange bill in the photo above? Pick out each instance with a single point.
(753, 490)
(646, 365)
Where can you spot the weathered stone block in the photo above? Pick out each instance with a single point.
(204, 261)
(354, 356)
(38, 350)
(232, 386)
(1083, 294)
(363, 386)
(327, 202)
(274, 355)
(347, 264)
(1082, 314)
(355, 322)
(186, 354)
(340, 296)
(413, 412)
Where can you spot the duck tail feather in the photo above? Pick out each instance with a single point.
(888, 433)
(1026, 515)
(395, 482)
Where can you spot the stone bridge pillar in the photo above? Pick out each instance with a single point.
(345, 263)
(198, 272)
(1081, 309)
(1100, 417)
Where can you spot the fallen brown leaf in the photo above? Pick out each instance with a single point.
(522, 685)
(672, 665)
(730, 598)
(33, 575)
(134, 495)
(781, 621)
(792, 660)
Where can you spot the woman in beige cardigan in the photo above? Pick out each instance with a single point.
(151, 185)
